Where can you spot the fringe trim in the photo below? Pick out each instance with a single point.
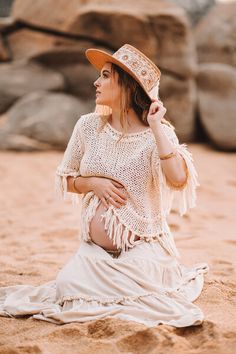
(202, 268)
(167, 242)
(108, 300)
(89, 210)
(60, 188)
(119, 234)
(185, 197)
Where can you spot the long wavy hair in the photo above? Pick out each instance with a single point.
(132, 96)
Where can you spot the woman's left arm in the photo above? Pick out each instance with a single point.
(173, 164)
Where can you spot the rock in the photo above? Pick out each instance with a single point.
(46, 117)
(44, 13)
(175, 52)
(216, 100)
(179, 97)
(73, 65)
(80, 79)
(216, 42)
(6, 23)
(25, 43)
(4, 52)
(21, 143)
(5, 7)
(165, 25)
(6, 100)
(20, 78)
(66, 56)
(195, 9)
(98, 23)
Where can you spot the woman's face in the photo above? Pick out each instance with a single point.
(107, 87)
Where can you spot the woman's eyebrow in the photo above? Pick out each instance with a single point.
(103, 71)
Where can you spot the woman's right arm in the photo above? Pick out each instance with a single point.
(83, 185)
(70, 163)
(69, 169)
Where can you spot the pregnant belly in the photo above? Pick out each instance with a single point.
(98, 233)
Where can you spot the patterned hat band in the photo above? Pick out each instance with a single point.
(134, 62)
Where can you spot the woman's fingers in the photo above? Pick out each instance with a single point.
(104, 202)
(117, 184)
(119, 193)
(156, 106)
(114, 195)
(116, 199)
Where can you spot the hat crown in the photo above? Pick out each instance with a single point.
(142, 67)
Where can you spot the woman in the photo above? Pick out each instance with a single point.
(126, 161)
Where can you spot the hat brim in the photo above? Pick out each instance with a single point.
(98, 58)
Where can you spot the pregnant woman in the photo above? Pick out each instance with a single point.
(127, 163)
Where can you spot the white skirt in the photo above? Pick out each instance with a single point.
(144, 285)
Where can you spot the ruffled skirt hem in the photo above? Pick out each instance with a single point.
(144, 285)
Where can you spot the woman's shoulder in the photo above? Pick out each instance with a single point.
(86, 122)
(88, 118)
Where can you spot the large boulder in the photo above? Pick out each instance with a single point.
(5, 7)
(46, 117)
(4, 52)
(175, 50)
(6, 24)
(26, 43)
(73, 65)
(21, 77)
(158, 28)
(66, 56)
(195, 9)
(16, 142)
(215, 35)
(179, 97)
(216, 100)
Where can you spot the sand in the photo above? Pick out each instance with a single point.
(39, 235)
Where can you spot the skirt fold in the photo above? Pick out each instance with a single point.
(145, 285)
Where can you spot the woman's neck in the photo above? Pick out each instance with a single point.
(133, 120)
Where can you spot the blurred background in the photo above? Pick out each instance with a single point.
(46, 82)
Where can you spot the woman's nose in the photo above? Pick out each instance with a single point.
(96, 83)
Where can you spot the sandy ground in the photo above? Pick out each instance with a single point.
(39, 235)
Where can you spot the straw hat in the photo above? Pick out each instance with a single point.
(134, 62)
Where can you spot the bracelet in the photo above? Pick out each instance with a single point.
(168, 156)
(74, 186)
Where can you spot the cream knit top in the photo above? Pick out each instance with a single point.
(94, 150)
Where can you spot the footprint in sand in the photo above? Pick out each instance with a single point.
(69, 234)
(231, 182)
(219, 216)
(185, 238)
(205, 334)
(222, 267)
(174, 227)
(231, 242)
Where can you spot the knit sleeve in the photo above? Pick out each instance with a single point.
(70, 164)
(184, 196)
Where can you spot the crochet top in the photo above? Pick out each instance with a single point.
(94, 149)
